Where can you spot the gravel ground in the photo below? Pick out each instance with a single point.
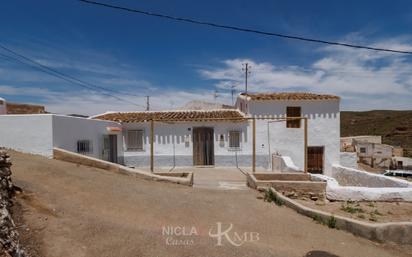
(79, 211)
(374, 212)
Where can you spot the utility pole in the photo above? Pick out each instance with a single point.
(232, 87)
(215, 95)
(147, 103)
(246, 69)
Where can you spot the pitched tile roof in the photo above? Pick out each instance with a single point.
(193, 115)
(289, 96)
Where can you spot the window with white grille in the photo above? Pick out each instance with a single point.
(84, 147)
(234, 139)
(135, 140)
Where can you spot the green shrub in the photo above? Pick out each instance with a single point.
(376, 212)
(361, 216)
(318, 219)
(331, 222)
(350, 209)
(270, 196)
(371, 204)
(372, 217)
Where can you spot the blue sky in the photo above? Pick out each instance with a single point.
(176, 62)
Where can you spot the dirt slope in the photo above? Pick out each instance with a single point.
(79, 211)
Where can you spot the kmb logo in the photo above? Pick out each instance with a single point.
(234, 238)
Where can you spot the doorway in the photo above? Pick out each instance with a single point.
(110, 148)
(203, 146)
(315, 159)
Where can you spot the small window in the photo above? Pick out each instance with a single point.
(84, 147)
(400, 165)
(234, 139)
(135, 140)
(291, 112)
(363, 150)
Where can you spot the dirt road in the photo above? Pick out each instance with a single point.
(78, 211)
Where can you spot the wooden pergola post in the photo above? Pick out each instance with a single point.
(254, 145)
(151, 145)
(305, 122)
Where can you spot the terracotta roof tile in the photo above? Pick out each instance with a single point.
(197, 115)
(290, 96)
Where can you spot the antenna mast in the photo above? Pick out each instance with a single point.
(246, 68)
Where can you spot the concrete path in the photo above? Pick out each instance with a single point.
(221, 179)
(216, 178)
(70, 210)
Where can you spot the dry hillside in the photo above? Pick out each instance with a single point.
(395, 127)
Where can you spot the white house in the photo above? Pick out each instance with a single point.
(224, 137)
(40, 133)
(217, 137)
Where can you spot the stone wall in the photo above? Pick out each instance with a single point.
(9, 237)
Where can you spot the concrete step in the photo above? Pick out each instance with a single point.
(221, 185)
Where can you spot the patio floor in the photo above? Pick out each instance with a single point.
(220, 178)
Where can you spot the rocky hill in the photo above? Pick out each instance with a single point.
(395, 127)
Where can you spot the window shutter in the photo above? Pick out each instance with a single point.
(135, 139)
(293, 111)
(234, 139)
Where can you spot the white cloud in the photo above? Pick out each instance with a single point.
(364, 77)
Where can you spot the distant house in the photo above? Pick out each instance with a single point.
(371, 151)
(374, 154)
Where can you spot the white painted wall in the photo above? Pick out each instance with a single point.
(3, 106)
(39, 133)
(271, 137)
(353, 177)
(177, 137)
(27, 133)
(323, 130)
(68, 130)
(283, 164)
(337, 192)
(407, 162)
(354, 139)
(349, 159)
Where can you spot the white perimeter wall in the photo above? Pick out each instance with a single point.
(27, 133)
(323, 130)
(68, 130)
(349, 159)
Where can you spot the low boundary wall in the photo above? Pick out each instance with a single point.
(349, 159)
(283, 164)
(397, 232)
(353, 177)
(178, 178)
(336, 192)
(291, 184)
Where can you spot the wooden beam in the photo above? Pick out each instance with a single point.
(151, 145)
(254, 146)
(305, 121)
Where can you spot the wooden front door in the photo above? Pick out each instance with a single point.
(203, 147)
(315, 159)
